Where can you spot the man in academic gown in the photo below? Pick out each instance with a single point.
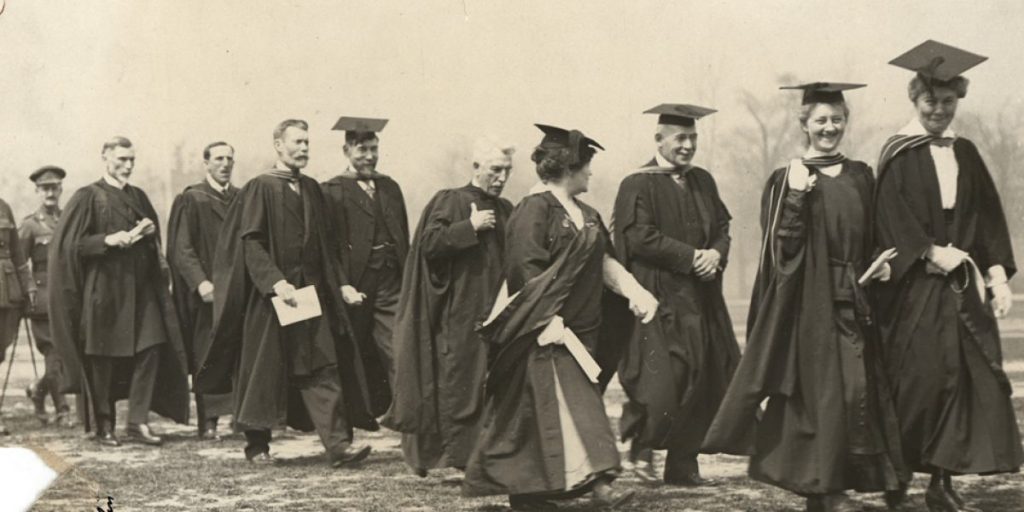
(672, 233)
(113, 319)
(307, 373)
(373, 237)
(34, 236)
(453, 272)
(192, 234)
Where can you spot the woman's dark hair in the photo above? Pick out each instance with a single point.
(919, 86)
(553, 161)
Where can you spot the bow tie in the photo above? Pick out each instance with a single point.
(944, 142)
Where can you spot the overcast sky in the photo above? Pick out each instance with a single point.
(162, 72)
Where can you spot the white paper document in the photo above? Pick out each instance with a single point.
(307, 306)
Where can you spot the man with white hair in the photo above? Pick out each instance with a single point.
(452, 273)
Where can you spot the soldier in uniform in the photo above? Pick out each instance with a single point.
(16, 284)
(34, 236)
(373, 237)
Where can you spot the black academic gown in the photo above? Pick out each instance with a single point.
(812, 352)
(245, 352)
(192, 234)
(453, 274)
(557, 270)
(941, 341)
(675, 369)
(97, 294)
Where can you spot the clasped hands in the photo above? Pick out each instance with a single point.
(706, 263)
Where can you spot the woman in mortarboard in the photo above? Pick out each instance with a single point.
(937, 204)
(828, 425)
(546, 435)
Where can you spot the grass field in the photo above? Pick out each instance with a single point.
(189, 474)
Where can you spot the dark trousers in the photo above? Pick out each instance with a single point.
(679, 464)
(209, 409)
(53, 371)
(140, 394)
(322, 395)
(375, 318)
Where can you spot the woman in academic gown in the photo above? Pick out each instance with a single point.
(546, 435)
(937, 204)
(828, 425)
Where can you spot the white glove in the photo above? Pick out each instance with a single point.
(351, 296)
(552, 333)
(205, 290)
(800, 178)
(286, 291)
(1002, 299)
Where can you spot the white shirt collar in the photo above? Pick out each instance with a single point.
(113, 182)
(914, 127)
(217, 186)
(282, 167)
(661, 161)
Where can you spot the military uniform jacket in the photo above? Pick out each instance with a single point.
(34, 237)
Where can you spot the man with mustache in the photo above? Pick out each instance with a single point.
(373, 239)
(112, 315)
(34, 236)
(276, 241)
(192, 234)
(453, 271)
(672, 233)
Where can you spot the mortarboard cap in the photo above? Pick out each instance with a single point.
(360, 124)
(823, 92)
(574, 140)
(48, 175)
(679, 114)
(938, 61)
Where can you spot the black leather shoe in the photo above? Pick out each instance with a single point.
(107, 438)
(262, 459)
(815, 503)
(607, 496)
(529, 503)
(690, 480)
(947, 485)
(351, 455)
(208, 431)
(142, 434)
(894, 499)
(39, 402)
(64, 419)
(938, 501)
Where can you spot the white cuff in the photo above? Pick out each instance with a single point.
(996, 276)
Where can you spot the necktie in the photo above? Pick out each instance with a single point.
(368, 187)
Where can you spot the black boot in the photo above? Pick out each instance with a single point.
(947, 484)
(936, 497)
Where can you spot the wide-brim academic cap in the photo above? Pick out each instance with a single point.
(823, 92)
(561, 136)
(679, 114)
(938, 61)
(360, 124)
(47, 175)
